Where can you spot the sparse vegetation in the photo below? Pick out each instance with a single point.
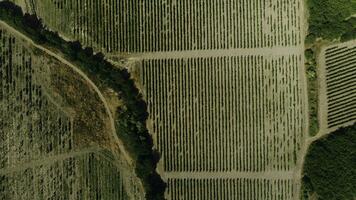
(330, 172)
(130, 119)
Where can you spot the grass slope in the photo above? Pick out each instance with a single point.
(330, 167)
(130, 118)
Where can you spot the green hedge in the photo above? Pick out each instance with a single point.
(130, 118)
(312, 78)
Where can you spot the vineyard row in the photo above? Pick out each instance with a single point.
(148, 26)
(226, 113)
(341, 84)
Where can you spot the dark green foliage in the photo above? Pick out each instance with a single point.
(349, 35)
(330, 166)
(130, 119)
(330, 19)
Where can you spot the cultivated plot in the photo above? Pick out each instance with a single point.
(227, 117)
(146, 26)
(84, 175)
(227, 113)
(337, 86)
(224, 82)
(232, 188)
(244, 108)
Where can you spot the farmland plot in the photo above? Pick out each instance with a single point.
(53, 126)
(86, 175)
(338, 88)
(220, 118)
(224, 82)
(229, 120)
(213, 104)
(146, 26)
(230, 188)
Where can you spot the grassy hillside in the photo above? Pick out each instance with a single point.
(130, 118)
(330, 167)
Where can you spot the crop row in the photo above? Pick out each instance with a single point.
(145, 26)
(224, 189)
(240, 113)
(83, 177)
(341, 84)
(32, 126)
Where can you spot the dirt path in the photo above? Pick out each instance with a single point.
(209, 53)
(304, 79)
(96, 89)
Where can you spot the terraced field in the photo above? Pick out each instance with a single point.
(224, 82)
(54, 144)
(338, 69)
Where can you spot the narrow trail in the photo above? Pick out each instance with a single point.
(298, 171)
(208, 53)
(47, 160)
(85, 77)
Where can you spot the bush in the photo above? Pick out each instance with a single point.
(311, 71)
